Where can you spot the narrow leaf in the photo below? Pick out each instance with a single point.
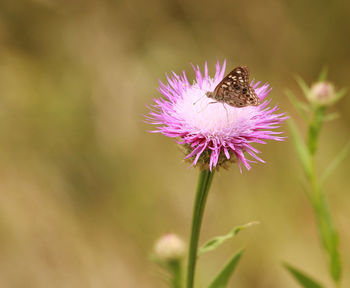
(335, 163)
(331, 117)
(301, 107)
(304, 87)
(215, 242)
(335, 265)
(339, 95)
(323, 74)
(302, 151)
(304, 280)
(221, 280)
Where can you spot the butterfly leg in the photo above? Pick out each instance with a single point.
(207, 106)
(223, 104)
(194, 103)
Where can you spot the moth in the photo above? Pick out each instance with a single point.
(235, 90)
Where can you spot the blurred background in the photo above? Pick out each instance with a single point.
(85, 190)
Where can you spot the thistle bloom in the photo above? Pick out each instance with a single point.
(212, 133)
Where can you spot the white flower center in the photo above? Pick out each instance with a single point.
(211, 118)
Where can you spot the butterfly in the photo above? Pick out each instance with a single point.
(235, 90)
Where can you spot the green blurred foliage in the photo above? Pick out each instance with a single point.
(85, 190)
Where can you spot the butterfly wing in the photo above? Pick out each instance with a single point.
(235, 90)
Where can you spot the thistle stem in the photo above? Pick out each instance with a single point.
(175, 267)
(204, 182)
(328, 233)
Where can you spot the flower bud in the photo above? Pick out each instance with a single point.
(169, 247)
(322, 93)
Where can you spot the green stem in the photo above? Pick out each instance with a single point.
(204, 182)
(315, 126)
(175, 267)
(327, 231)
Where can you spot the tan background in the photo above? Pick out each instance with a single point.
(85, 190)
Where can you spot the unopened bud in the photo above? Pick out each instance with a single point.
(322, 93)
(170, 247)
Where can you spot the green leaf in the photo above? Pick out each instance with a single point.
(215, 242)
(335, 163)
(335, 265)
(302, 151)
(301, 107)
(304, 280)
(304, 87)
(339, 95)
(331, 117)
(323, 74)
(221, 280)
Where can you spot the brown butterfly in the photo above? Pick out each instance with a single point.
(235, 90)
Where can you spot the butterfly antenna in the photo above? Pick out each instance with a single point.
(194, 103)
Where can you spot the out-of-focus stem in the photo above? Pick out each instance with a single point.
(175, 267)
(326, 229)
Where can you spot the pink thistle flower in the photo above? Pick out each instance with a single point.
(213, 134)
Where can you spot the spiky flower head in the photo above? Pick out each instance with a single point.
(212, 133)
